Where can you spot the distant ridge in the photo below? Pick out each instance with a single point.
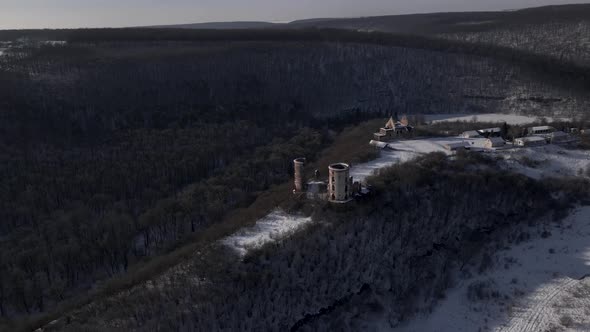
(417, 23)
(220, 25)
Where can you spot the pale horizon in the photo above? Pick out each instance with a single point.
(38, 14)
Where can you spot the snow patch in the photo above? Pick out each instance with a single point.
(511, 119)
(275, 226)
(405, 150)
(534, 281)
(546, 161)
(387, 158)
(436, 144)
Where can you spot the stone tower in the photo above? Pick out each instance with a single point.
(339, 184)
(299, 167)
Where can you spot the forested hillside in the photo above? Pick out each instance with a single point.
(562, 32)
(427, 217)
(121, 145)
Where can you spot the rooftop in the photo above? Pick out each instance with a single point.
(532, 138)
(490, 130)
(542, 128)
(339, 166)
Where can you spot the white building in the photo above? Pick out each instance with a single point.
(494, 142)
(471, 134)
(379, 144)
(454, 146)
(530, 141)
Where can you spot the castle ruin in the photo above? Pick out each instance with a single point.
(338, 188)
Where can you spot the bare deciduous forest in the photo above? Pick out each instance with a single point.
(399, 253)
(120, 146)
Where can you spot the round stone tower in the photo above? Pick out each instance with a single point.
(299, 166)
(339, 186)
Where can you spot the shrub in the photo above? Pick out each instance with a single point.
(566, 321)
(482, 290)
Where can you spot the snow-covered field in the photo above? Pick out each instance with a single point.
(536, 162)
(511, 119)
(532, 286)
(436, 144)
(546, 161)
(387, 158)
(275, 226)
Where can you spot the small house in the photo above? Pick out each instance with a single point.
(471, 134)
(530, 141)
(494, 142)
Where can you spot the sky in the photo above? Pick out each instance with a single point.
(21, 14)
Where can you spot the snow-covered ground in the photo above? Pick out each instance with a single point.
(512, 119)
(549, 160)
(275, 226)
(533, 286)
(436, 144)
(387, 158)
(546, 161)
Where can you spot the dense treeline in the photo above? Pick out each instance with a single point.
(92, 219)
(560, 58)
(454, 22)
(566, 41)
(427, 217)
(110, 161)
(80, 92)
